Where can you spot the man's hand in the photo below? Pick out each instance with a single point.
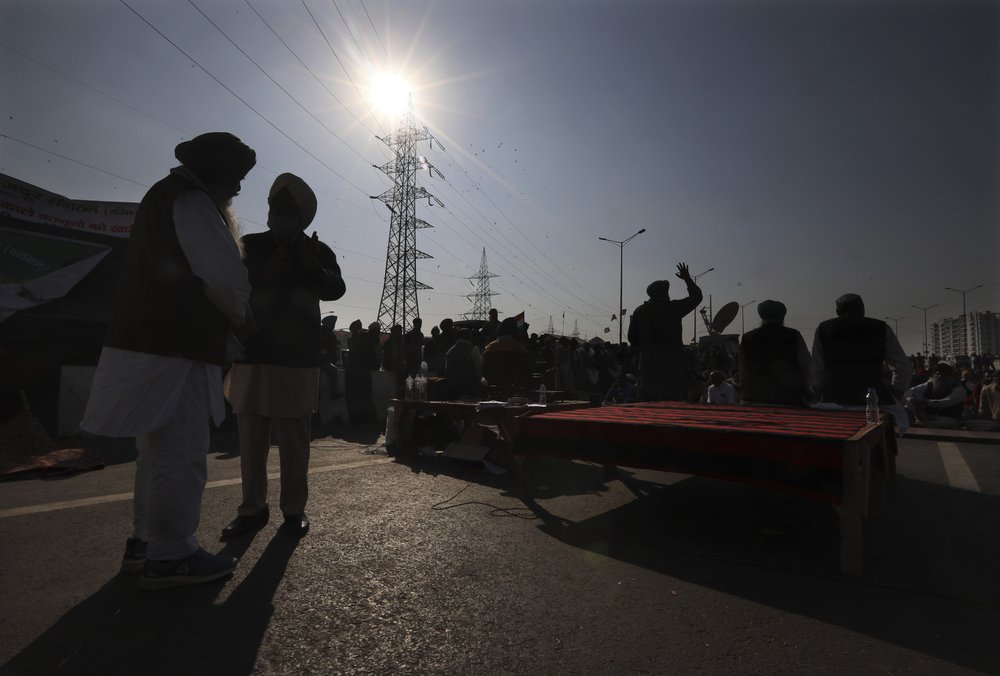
(683, 272)
(309, 252)
(278, 264)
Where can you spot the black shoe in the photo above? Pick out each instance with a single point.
(296, 524)
(246, 524)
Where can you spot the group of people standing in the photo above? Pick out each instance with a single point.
(193, 297)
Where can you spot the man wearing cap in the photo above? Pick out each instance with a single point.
(774, 360)
(849, 355)
(183, 291)
(655, 330)
(276, 385)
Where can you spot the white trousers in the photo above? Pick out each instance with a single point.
(171, 472)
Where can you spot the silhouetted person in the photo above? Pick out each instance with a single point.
(276, 385)
(463, 367)
(182, 291)
(394, 358)
(414, 341)
(361, 361)
(848, 355)
(655, 330)
(774, 360)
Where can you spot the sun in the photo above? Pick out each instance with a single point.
(389, 93)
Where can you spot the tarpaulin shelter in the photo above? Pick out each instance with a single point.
(59, 264)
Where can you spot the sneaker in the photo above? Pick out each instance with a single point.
(134, 557)
(194, 569)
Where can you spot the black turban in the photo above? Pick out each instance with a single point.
(659, 289)
(216, 156)
(772, 311)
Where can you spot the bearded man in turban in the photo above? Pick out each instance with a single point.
(182, 294)
(277, 383)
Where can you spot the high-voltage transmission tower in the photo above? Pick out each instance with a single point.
(399, 290)
(481, 302)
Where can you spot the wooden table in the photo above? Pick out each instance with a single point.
(831, 456)
(505, 417)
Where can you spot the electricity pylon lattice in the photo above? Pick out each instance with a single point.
(551, 330)
(481, 302)
(399, 304)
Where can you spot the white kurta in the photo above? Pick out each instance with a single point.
(135, 393)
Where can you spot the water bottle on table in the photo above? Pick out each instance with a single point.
(541, 394)
(871, 407)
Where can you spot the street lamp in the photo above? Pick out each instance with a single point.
(742, 325)
(925, 309)
(965, 321)
(695, 315)
(896, 320)
(621, 273)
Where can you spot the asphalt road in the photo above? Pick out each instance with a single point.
(434, 566)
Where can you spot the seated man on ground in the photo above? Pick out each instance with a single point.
(720, 392)
(938, 402)
(989, 399)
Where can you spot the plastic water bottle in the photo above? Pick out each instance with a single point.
(541, 394)
(871, 407)
(409, 388)
(420, 385)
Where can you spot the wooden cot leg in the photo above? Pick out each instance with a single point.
(852, 509)
(851, 544)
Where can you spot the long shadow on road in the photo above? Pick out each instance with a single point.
(121, 630)
(930, 582)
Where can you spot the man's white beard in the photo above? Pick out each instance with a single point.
(233, 221)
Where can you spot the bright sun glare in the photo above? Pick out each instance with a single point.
(389, 93)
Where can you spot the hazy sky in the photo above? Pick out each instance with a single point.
(801, 149)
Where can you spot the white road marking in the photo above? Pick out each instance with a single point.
(959, 474)
(119, 497)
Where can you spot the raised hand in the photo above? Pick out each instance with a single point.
(683, 272)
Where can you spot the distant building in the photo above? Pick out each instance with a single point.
(983, 329)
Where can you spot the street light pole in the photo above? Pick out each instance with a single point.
(695, 315)
(965, 321)
(742, 324)
(925, 309)
(621, 273)
(896, 320)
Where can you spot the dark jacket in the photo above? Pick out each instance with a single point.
(853, 354)
(160, 306)
(770, 371)
(286, 305)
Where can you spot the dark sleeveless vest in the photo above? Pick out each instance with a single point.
(853, 354)
(160, 307)
(770, 372)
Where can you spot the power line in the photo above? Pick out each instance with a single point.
(377, 36)
(276, 83)
(83, 164)
(241, 99)
(310, 70)
(342, 66)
